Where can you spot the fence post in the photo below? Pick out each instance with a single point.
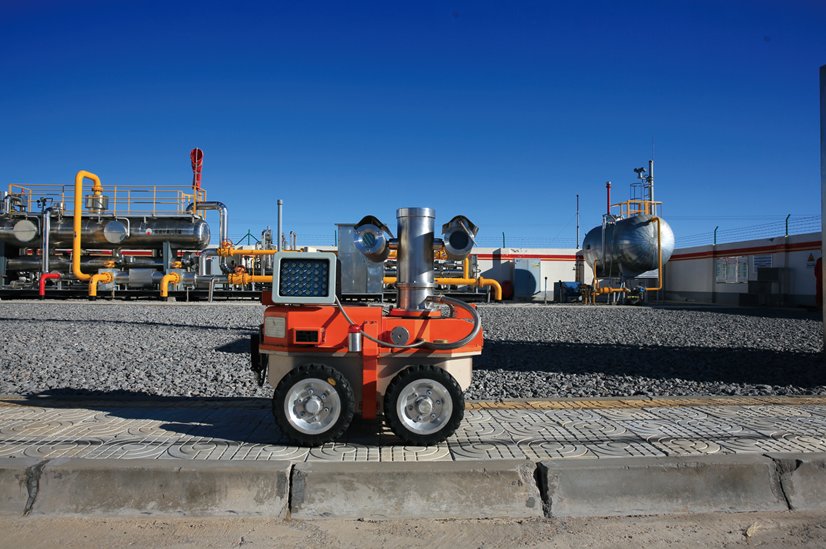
(787, 225)
(823, 178)
(715, 234)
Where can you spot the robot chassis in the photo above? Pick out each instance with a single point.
(328, 361)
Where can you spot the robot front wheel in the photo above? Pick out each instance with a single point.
(314, 404)
(424, 405)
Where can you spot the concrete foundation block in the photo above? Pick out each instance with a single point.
(415, 490)
(142, 486)
(803, 478)
(14, 491)
(654, 486)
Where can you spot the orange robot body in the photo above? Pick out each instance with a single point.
(309, 333)
(328, 361)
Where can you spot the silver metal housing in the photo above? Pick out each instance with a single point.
(415, 258)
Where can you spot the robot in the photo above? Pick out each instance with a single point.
(329, 361)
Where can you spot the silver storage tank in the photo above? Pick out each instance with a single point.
(630, 246)
(144, 232)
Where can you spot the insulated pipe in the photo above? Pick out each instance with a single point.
(100, 278)
(32, 263)
(43, 278)
(78, 217)
(202, 261)
(45, 228)
(223, 223)
(173, 278)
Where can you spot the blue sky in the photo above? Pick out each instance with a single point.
(502, 111)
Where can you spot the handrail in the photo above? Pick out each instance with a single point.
(132, 199)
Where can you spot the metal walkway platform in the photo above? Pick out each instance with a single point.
(243, 429)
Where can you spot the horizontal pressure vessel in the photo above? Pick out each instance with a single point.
(185, 232)
(628, 247)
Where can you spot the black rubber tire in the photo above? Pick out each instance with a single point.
(345, 394)
(409, 375)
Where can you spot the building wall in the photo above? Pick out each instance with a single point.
(555, 263)
(693, 274)
(704, 274)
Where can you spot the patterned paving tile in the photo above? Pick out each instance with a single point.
(688, 447)
(535, 430)
(541, 448)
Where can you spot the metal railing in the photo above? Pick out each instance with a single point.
(123, 199)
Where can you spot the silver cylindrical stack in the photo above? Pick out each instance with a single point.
(415, 258)
(280, 229)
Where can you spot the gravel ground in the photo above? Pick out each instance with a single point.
(530, 351)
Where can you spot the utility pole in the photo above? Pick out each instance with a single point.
(577, 222)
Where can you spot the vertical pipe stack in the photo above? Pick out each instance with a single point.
(280, 229)
(823, 178)
(415, 257)
(45, 229)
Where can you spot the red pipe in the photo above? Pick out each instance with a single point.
(43, 278)
(608, 197)
(197, 158)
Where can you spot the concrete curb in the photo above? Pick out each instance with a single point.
(465, 489)
(146, 486)
(803, 479)
(492, 489)
(656, 486)
(14, 484)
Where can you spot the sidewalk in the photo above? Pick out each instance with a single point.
(243, 429)
(516, 459)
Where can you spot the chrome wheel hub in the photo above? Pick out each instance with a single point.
(424, 406)
(312, 406)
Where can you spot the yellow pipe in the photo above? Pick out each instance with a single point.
(234, 251)
(466, 268)
(78, 217)
(169, 278)
(597, 290)
(448, 281)
(100, 278)
(497, 288)
(244, 278)
(659, 257)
